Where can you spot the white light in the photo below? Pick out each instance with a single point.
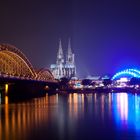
(124, 79)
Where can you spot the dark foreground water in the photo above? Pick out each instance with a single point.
(110, 116)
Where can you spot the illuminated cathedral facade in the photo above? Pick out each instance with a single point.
(64, 67)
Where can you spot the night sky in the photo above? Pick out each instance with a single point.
(105, 34)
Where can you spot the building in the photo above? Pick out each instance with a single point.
(64, 67)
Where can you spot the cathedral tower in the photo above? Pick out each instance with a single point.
(70, 55)
(70, 67)
(60, 55)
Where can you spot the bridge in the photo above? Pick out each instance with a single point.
(14, 64)
(16, 68)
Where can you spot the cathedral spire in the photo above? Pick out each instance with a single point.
(70, 55)
(69, 47)
(60, 55)
(60, 50)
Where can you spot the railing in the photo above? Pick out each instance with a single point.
(25, 78)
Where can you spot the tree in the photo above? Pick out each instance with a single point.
(64, 83)
(93, 83)
(107, 82)
(86, 82)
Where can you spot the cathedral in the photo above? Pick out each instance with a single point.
(64, 68)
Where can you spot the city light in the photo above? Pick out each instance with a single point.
(128, 73)
(6, 89)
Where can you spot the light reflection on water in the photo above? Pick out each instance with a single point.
(72, 116)
(122, 106)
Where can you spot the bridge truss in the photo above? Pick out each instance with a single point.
(13, 63)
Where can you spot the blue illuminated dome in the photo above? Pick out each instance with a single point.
(129, 73)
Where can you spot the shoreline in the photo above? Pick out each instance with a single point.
(99, 90)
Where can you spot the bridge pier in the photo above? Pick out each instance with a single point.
(21, 89)
(17, 89)
(26, 89)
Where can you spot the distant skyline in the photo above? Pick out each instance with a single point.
(105, 34)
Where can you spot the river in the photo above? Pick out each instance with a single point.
(74, 116)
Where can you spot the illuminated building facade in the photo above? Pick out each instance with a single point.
(64, 68)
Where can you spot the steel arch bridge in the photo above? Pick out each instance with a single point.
(13, 63)
(127, 73)
(45, 75)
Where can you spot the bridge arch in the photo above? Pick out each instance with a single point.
(14, 63)
(44, 74)
(127, 73)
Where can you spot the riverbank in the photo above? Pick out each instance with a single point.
(100, 90)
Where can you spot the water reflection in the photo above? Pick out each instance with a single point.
(76, 105)
(17, 119)
(122, 106)
(127, 111)
(72, 116)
